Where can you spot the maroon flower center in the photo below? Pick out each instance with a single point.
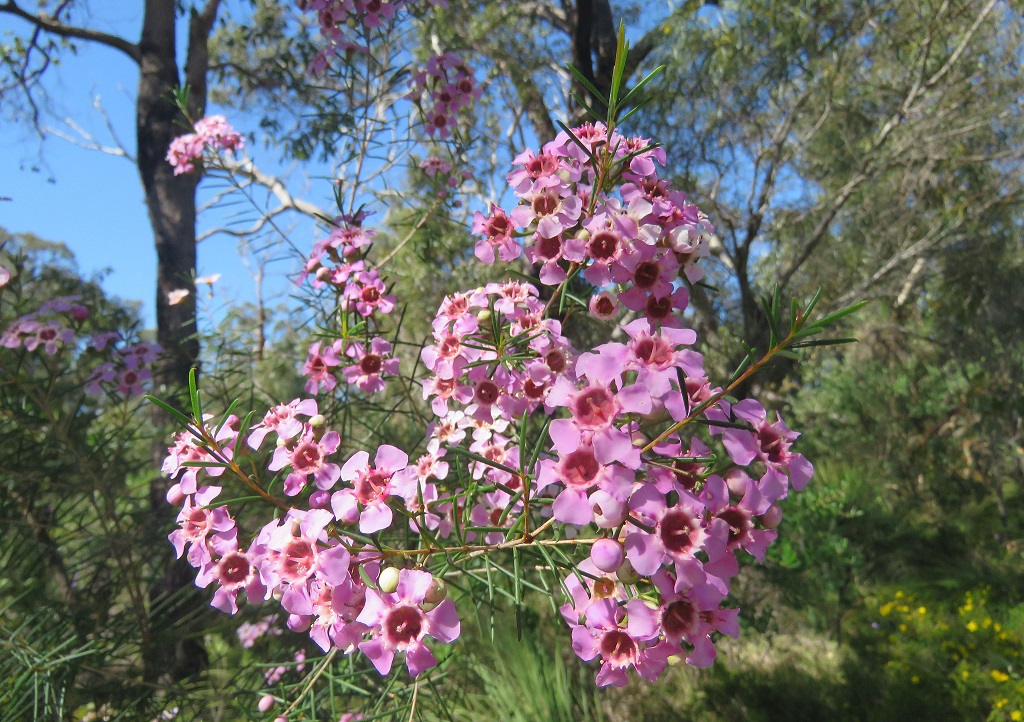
(545, 204)
(450, 347)
(603, 246)
(675, 529)
(555, 361)
(658, 309)
(196, 523)
(738, 523)
(548, 248)
(646, 275)
(580, 468)
(306, 457)
(618, 649)
(604, 306)
(370, 364)
(487, 392)
(654, 188)
(445, 387)
(370, 294)
(403, 626)
(233, 570)
(494, 453)
(317, 365)
(498, 226)
(594, 408)
(678, 618)
(372, 487)
(440, 120)
(541, 165)
(130, 377)
(772, 445)
(465, 86)
(532, 390)
(47, 334)
(653, 350)
(298, 559)
(495, 516)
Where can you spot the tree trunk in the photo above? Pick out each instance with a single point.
(170, 653)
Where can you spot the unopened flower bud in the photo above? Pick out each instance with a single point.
(772, 517)
(320, 499)
(583, 234)
(282, 442)
(607, 555)
(626, 573)
(483, 315)
(266, 703)
(609, 512)
(388, 580)
(317, 421)
(437, 592)
(564, 175)
(323, 273)
(175, 496)
(80, 313)
(737, 482)
(675, 660)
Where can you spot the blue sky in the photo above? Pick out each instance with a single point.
(92, 201)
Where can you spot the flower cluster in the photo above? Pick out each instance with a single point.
(346, 25)
(49, 328)
(121, 367)
(211, 132)
(127, 369)
(643, 237)
(294, 558)
(444, 87)
(531, 436)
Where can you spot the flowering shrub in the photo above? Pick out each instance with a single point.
(586, 462)
(971, 654)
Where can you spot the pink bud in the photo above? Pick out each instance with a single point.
(608, 511)
(737, 482)
(266, 702)
(772, 516)
(174, 495)
(607, 555)
(320, 499)
(79, 313)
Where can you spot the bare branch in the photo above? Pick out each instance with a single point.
(52, 24)
(247, 169)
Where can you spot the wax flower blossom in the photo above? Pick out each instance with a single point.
(212, 132)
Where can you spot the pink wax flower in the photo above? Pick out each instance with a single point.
(398, 623)
(372, 486)
(498, 230)
(318, 367)
(371, 365)
(624, 638)
(308, 457)
(283, 419)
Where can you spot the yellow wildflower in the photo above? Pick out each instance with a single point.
(922, 610)
(1016, 715)
(999, 676)
(972, 626)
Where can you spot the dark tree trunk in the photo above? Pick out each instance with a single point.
(172, 653)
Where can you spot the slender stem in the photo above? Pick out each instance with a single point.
(754, 368)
